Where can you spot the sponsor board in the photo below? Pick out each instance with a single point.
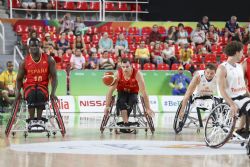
(66, 104)
(170, 103)
(129, 147)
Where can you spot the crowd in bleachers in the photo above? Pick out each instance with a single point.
(149, 48)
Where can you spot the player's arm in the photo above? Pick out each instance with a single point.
(221, 79)
(190, 90)
(19, 79)
(53, 74)
(244, 66)
(110, 93)
(143, 91)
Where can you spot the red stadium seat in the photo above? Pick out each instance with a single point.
(162, 30)
(188, 29)
(136, 66)
(146, 31)
(120, 30)
(92, 30)
(132, 48)
(94, 6)
(148, 66)
(86, 39)
(95, 39)
(122, 6)
(50, 29)
(20, 29)
(82, 6)
(175, 66)
(15, 4)
(202, 66)
(129, 56)
(163, 67)
(223, 58)
(133, 31)
(69, 5)
(24, 38)
(197, 58)
(109, 6)
(133, 7)
(70, 38)
(107, 29)
(38, 29)
(210, 58)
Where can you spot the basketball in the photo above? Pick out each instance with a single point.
(108, 78)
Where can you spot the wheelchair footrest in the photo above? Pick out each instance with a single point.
(45, 120)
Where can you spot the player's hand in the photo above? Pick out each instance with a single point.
(181, 114)
(234, 109)
(150, 112)
(54, 97)
(106, 111)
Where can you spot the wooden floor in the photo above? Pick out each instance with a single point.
(84, 145)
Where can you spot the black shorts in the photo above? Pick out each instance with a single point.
(126, 101)
(36, 97)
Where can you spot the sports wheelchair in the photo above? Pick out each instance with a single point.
(219, 128)
(141, 118)
(18, 121)
(191, 105)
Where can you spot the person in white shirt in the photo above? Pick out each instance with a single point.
(77, 61)
(203, 86)
(231, 82)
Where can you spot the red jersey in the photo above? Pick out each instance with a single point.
(130, 85)
(248, 73)
(37, 73)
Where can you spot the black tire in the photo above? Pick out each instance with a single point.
(58, 117)
(178, 124)
(148, 118)
(13, 117)
(105, 118)
(214, 128)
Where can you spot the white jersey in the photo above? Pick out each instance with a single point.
(236, 85)
(205, 87)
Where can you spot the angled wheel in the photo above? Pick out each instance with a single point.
(219, 126)
(148, 118)
(105, 118)
(58, 117)
(13, 116)
(179, 123)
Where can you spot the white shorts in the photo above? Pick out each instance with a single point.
(204, 103)
(241, 102)
(41, 1)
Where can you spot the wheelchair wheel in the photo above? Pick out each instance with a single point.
(219, 126)
(106, 117)
(58, 117)
(178, 124)
(148, 118)
(13, 117)
(248, 148)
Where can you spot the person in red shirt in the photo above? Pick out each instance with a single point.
(129, 82)
(33, 76)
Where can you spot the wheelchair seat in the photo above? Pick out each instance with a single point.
(141, 119)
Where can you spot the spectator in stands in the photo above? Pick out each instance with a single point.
(142, 54)
(186, 54)
(8, 81)
(79, 26)
(106, 63)
(246, 37)
(93, 61)
(179, 82)
(32, 35)
(182, 34)
(156, 54)
(154, 35)
(231, 27)
(79, 44)
(212, 38)
(171, 37)
(105, 43)
(28, 4)
(205, 24)
(43, 4)
(168, 54)
(63, 43)
(66, 61)
(48, 45)
(77, 61)
(67, 25)
(237, 35)
(121, 45)
(198, 36)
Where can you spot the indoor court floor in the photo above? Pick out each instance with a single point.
(86, 146)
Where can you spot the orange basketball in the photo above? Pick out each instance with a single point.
(108, 78)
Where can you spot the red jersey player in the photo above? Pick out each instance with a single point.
(128, 84)
(33, 76)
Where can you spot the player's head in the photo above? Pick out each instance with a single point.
(34, 46)
(234, 48)
(210, 71)
(126, 65)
